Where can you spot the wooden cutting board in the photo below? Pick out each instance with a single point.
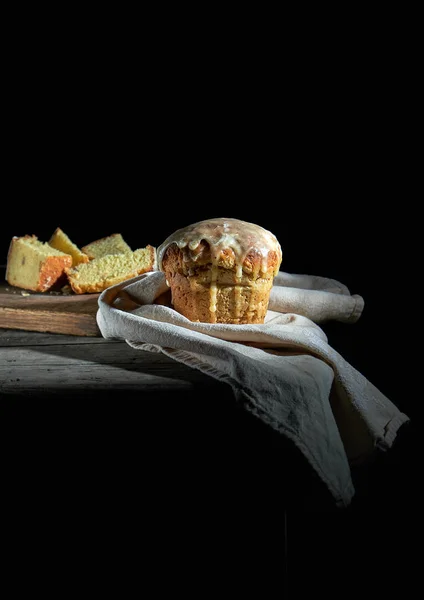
(51, 312)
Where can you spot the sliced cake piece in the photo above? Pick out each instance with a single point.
(101, 273)
(112, 244)
(61, 241)
(34, 265)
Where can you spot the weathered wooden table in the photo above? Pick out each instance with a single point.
(46, 364)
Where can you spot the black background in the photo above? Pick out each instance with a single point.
(315, 150)
(309, 137)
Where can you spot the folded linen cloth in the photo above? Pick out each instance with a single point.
(284, 371)
(318, 298)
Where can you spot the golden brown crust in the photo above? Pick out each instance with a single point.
(183, 261)
(235, 304)
(238, 298)
(42, 269)
(50, 270)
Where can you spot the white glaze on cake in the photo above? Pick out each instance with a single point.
(220, 233)
(241, 237)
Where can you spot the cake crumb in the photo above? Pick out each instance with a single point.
(25, 294)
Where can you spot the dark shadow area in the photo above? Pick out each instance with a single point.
(198, 478)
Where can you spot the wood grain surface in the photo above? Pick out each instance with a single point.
(43, 364)
(51, 312)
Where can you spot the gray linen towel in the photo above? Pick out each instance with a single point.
(283, 371)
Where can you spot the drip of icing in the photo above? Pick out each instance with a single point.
(220, 233)
(213, 292)
(237, 300)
